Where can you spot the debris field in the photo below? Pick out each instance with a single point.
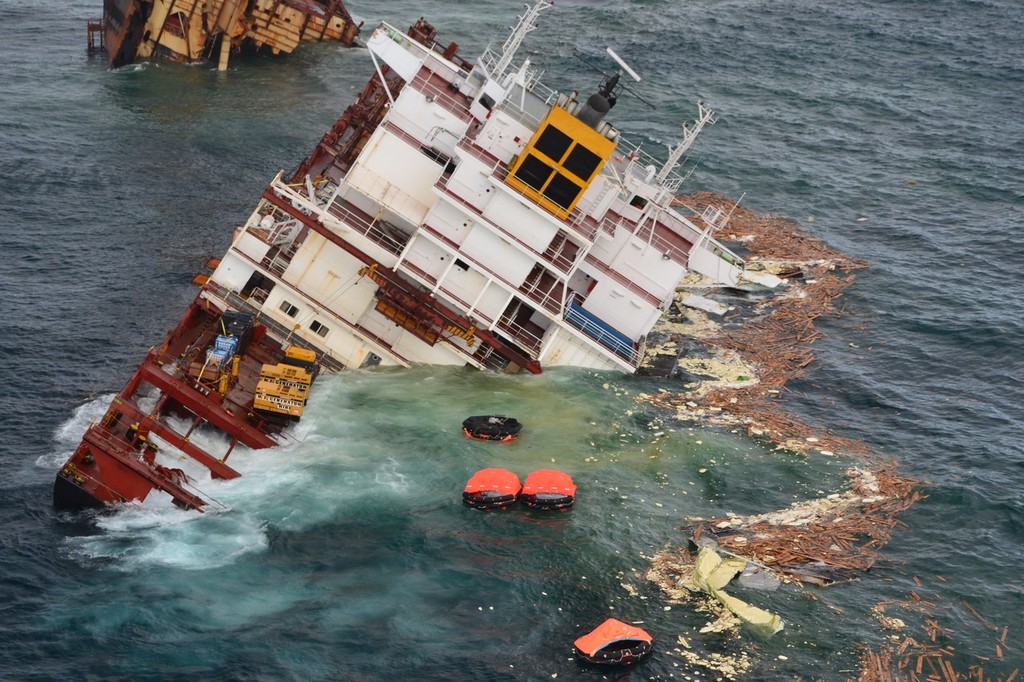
(740, 369)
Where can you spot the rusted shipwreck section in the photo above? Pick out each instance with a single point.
(191, 30)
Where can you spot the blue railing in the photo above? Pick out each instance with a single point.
(601, 331)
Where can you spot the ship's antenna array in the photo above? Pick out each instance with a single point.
(705, 117)
(625, 67)
(527, 23)
(610, 85)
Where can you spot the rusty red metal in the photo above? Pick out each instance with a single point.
(116, 460)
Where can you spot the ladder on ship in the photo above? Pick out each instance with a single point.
(96, 41)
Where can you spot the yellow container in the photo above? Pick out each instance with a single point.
(269, 403)
(300, 354)
(283, 372)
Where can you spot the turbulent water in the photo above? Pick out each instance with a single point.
(892, 130)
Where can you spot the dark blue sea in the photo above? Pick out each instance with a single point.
(892, 130)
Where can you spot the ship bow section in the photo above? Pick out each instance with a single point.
(220, 371)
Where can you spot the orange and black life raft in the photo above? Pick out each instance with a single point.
(491, 489)
(549, 490)
(492, 427)
(614, 643)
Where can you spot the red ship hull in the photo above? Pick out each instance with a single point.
(117, 458)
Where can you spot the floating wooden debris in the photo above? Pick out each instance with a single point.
(770, 236)
(820, 541)
(932, 655)
(743, 366)
(740, 369)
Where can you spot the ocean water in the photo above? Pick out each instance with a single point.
(892, 130)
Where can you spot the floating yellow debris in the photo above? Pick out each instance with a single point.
(712, 573)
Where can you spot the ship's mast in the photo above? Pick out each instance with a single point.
(705, 117)
(527, 23)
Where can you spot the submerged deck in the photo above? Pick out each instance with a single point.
(120, 457)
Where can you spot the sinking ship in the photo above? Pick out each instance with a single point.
(191, 31)
(458, 213)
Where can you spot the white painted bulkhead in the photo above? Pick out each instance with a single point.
(503, 136)
(449, 221)
(524, 222)
(462, 284)
(705, 261)
(395, 174)
(620, 308)
(425, 257)
(648, 268)
(296, 312)
(429, 123)
(469, 181)
(466, 287)
(247, 251)
(565, 347)
(329, 275)
(392, 47)
(233, 272)
(417, 351)
(333, 296)
(251, 246)
(599, 197)
(508, 262)
(640, 262)
(491, 90)
(406, 346)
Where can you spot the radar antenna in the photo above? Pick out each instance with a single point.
(527, 23)
(623, 64)
(610, 85)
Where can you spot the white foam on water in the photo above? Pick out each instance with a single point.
(310, 479)
(136, 67)
(368, 444)
(156, 533)
(69, 434)
(358, 514)
(391, 478)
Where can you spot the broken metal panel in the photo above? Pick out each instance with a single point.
(711, 573)
(175, 30)
(229, 16)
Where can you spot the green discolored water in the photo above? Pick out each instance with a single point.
(356, 530)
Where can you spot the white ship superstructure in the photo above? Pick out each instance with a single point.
(480, 218)
(456, 214)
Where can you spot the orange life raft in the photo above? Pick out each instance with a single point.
(491, 489)
(614, 643)
(549, 490)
